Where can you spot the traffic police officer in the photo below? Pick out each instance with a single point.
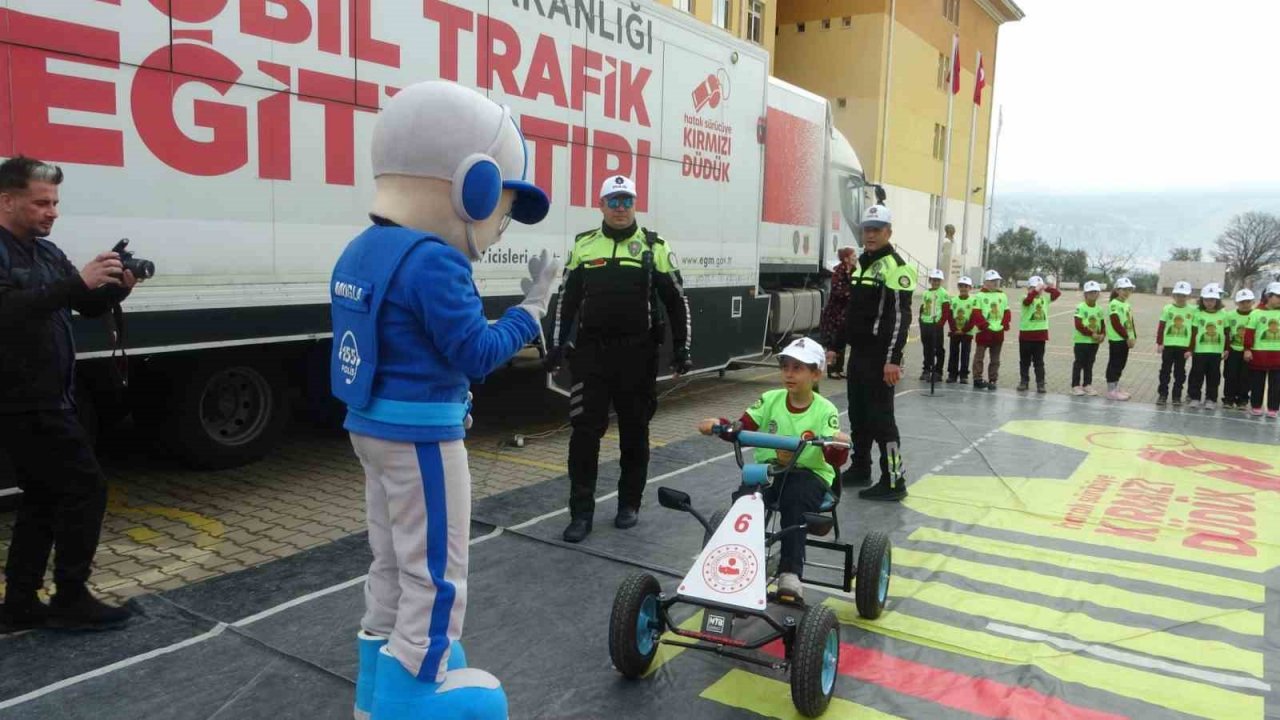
(610, 329)
(876, 324)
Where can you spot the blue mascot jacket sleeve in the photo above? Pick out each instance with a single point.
(409, 335)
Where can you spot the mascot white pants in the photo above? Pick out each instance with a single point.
(410, 335)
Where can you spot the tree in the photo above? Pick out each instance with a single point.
(1112, 265)
(1017, 253)
(1067, 265)
(1145, 282)
(1249, 245)
(1185, 254)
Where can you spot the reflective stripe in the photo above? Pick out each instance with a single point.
(577, 411)
(421, 414)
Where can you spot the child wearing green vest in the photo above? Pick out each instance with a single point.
(992, 318)
(1089, 321)
(1262, 352)
(796, 410)
(962, 329)
(1208, 346)
(1033, 331)
(934, 309)
(1235, 391)
(1121, 336)
(1173, 342)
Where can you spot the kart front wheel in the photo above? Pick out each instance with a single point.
(875, 560)
(635, 625)
(815, 659)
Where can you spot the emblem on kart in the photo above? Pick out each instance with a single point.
(730, 568)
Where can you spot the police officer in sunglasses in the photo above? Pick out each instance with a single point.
(618, 280)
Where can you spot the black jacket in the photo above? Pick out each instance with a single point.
(879, 311)
(38, 289)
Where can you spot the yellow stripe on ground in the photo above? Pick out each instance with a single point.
(667, 653)
(1188, 696)
(1159, 574)
(1190, 651)
(504, 457)
(772, 698)
(1246, 622)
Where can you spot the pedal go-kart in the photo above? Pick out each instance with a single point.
(730, 582)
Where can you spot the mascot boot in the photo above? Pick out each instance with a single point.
(410, 335)
(368, 646)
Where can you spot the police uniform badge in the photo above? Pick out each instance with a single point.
(904, 281)
(633, 248)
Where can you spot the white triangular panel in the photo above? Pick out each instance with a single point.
(731, 568)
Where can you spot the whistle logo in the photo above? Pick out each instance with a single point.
(710, 92)
(349, 357)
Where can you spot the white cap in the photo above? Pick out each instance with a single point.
(1273, 288)
(807, 352)
(1182, 287)
(1244, 294)
(1211, 292)
(877, 216)
(430, 129)
(991, 275)
(936, 274)
(617, 185)
(965, 280)
(1124, 284)
(1092, 286)
(1035, 281)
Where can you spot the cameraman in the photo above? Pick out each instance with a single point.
(64, 491)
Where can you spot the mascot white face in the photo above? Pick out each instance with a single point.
(449, 161)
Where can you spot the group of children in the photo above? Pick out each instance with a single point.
(1207, 335)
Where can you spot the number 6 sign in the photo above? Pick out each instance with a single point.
(730, 570)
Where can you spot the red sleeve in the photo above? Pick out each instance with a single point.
(1030, 298)
(1248, 338)
(748, 423)
(977, 319)
(1081, 328)
(1119, 326)
(1008, 316)
(946, 312)
(1054, 293)
(836, 456)
(1160, 333)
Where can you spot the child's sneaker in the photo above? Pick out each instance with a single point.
(1162, 400)
(1022, 386)
(1271, 414)
(1210, 405)
(1040, 389)
(789, 587)
(1256, 412)
(1123, 395)
(1077, 391)
(1113, 394)
(1177, 400)
(1090, 391)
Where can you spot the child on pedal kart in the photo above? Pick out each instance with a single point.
(795, 410)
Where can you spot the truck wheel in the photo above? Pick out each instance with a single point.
(635, 625)
(228, 411)
(871, 589)
(814, 661)
(716, 518)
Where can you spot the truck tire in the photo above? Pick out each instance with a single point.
(226, 410)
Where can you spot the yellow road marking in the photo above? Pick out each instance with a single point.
(210, 530)
(1159, 574)
(1190, 651)
(505, 457)
(772, 698)
(1167, 691)
(1246, 622)
(667, 653)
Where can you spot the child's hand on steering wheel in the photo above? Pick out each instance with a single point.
(843, 438)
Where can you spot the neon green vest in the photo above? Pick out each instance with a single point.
(1092, 317)
(931, 305)
(1211, 332)
(1121, 308)
(1236, 324)
(1036, 316)
(1266, 329)
(993, 305)
(961, 309)
(820, 419)
(1178, 322)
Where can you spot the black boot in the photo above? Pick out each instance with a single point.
(885, 490)
(22, 611)
(951, 379)
(1040, 388)
(579, 528)
(856, 476)
(627, 517)
(78, 610)
(1022, 386)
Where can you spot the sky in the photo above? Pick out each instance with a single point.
(1139, 95)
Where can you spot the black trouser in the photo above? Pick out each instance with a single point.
(1206, 368)
(1031, 352)
(1268, 380)
(1173, 359)
(935, 351)
(1117, 359)
(623, 373)
(800, 492)
(871, 413)
(1235, 389)
(1082, 368)
(64, 496)
(961, 346)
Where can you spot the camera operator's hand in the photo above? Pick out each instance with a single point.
(105, 269)
(129, 281)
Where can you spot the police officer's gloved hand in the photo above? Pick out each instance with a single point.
(680, 362)
(556, 356)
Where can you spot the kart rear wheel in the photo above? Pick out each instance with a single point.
(871, 589)
(717, 517)
(815, 659)
(635, 625)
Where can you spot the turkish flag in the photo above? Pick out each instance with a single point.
(955, 64)
(980, 82)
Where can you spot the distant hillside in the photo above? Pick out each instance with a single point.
(1150, 223)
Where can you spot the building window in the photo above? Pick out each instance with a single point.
(800, 27)
(841, 103)
(721, 11)
(755, 21)
(685, 5)
(942, 71)
(846, 21)
(951, 11)
(826, 23)
(939, 141)
(935, 211)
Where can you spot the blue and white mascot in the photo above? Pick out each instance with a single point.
(409, 335)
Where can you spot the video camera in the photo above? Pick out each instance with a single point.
(141, 269)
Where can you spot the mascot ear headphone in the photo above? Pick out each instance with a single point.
(477, 183)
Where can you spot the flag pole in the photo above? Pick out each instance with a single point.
(946, 152)
(991, 188)
(968, 172)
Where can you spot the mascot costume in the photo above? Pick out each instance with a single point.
(409, 335)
